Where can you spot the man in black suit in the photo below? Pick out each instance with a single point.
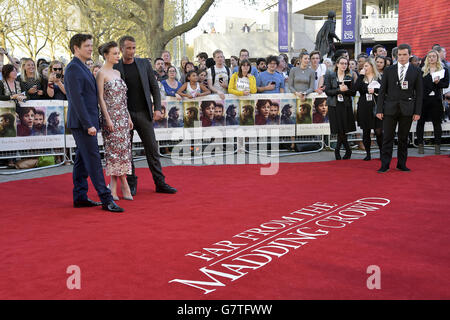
(399, 102)
(83, 120)
(139, 76)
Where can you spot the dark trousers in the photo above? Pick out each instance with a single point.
(437, 128)
(144, 127)
(367, 141)
(342, 141)
(88, 163)
(389, 124)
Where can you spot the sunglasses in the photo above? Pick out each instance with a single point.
(57, 69)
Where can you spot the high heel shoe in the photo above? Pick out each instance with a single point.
(115, 198)
(130, 197)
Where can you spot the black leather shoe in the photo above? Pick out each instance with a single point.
(383, 170)
(165, 188)
(337, 155)
(347, 155)
(403, 168)
(112, 206)
(133, 189)
(86, 203)
(367, 158)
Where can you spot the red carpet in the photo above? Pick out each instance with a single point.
(312, 255)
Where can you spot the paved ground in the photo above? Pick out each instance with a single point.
(324, 155)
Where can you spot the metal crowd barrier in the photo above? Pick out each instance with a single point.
(194, 148)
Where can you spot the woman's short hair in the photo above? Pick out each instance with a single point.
(6, 70)
(25, 110)
(55, 62)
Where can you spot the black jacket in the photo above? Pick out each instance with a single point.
(149, 82)
(392, 96)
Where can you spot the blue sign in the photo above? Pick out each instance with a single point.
(348, 20)
(283, 35)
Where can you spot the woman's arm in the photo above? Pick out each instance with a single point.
(291, 80)
(182, 89)
(205, 91)
(100, 85)
(232, 87)
(329, 91)
(312, 82)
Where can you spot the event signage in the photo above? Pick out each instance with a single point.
(228, 260)
(283, 29)
(348, 20)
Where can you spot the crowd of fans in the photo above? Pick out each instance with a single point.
(306, 73)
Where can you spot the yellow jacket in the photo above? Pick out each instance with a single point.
(232, 84)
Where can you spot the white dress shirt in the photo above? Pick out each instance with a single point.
(404, 72)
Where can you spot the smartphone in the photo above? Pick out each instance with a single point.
(221, 80)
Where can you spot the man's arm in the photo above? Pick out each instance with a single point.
(74, 94)
(382, 93)
(154, 88)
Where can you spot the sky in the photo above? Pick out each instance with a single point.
(225, 8)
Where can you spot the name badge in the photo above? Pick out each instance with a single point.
(340, 98)
(404, 85)
(369, 96)
(432, 93)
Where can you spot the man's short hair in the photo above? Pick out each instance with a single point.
(438, 48)
(165, 51)
(202, 55)
(77, 40)
(260, 60)
(272, 59)
(395, 52)
(216, 52)
(376, 47)
(404, 46)
(125, 38)
(157, 59)
(243, 50)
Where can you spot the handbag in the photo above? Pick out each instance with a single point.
(45, 161)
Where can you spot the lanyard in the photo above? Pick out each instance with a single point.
(15, 87)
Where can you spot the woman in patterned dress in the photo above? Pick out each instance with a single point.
(116, 121)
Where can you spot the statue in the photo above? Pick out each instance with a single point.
(325, 36)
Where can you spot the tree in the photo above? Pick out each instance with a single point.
(148, 17)
(101, 23)
(8, 23)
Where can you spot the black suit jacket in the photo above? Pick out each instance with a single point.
(148, 80)
(392, 96)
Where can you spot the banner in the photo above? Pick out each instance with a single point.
(283, 29)
(348, 20)
(256, 115)
(36, 124)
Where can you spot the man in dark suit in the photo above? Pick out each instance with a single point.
(399, 102)
(139, 76)
(82, 119)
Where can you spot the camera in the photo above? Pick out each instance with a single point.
(58, 76)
